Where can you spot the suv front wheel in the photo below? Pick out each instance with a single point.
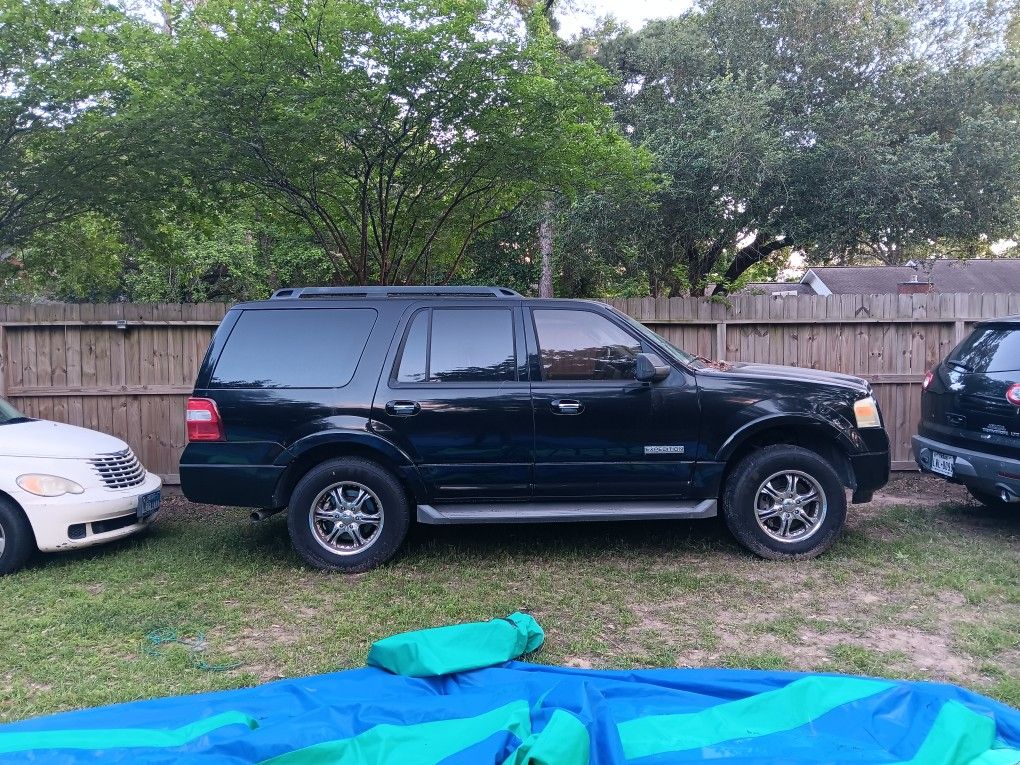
(785, 502)
(348, 514)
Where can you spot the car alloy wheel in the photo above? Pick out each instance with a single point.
(790, 506)
(346, 518)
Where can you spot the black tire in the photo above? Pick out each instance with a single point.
(740, 503)
(383, 489)
(989, 500)
(16, 537)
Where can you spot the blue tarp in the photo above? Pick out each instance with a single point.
(521, 713)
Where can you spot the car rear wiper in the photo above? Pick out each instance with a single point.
(959, 365)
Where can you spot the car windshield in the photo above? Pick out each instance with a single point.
(9, 414)
(683, 356)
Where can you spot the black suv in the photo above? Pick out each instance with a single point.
(970, 415)
(361, 409)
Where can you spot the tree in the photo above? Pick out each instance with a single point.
(395, 130)
(59, 78)
(846, 128)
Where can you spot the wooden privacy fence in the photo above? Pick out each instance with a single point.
(127, 369)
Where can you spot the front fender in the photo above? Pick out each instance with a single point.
(835, 428)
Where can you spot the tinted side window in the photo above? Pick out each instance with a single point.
(296, 348)
(472, 345)
(582, 345)
(989, 349)
(414, 358)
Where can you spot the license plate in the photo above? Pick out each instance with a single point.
(942, 464)
(148, 504)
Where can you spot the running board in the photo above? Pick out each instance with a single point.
(553, 512)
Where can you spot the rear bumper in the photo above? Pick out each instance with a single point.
(871, 472)
(232, 485)
(984, 472)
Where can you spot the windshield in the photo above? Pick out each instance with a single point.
(682, 355)
(9, 414)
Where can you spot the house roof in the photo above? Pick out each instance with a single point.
(771, 288)
(946, 275)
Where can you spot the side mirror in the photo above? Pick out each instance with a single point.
(650, 368)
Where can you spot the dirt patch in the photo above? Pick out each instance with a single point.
(909, 488)
(578, 662)
(931, 653)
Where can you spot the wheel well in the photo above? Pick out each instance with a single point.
(822, 444)
(319, 454)
(5, 497)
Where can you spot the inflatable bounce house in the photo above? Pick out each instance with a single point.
(454, 695)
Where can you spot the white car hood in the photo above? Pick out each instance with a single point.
(55, 440)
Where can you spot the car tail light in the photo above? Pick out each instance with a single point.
(203, 418)
(928, 377)
(1013, 394)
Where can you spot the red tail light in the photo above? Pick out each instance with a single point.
(203, 418)
(1013, 394)
(929, 376)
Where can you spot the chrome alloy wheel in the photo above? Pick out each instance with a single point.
(790, 506)
(3, 540)
(346, 518)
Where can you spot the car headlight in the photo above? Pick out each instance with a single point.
(866, 413)
(47, 485)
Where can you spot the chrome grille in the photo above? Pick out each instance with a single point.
(119, 470)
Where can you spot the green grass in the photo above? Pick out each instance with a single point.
(928, 592)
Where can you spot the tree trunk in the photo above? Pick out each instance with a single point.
(754, 253)
(545, 246)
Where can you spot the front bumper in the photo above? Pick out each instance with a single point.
(989, 473)
(871, 473)
(52, 519)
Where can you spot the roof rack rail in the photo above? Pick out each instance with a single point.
(293, 293)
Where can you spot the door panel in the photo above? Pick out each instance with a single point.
(599, 432)
(459, 402)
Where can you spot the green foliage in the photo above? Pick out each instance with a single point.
(241, 146)
(395, 131)
(61, 75)
(241, 256)
(847, 128)
(80, 259)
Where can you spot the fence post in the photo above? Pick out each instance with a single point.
(3, 361)
(959, 330)
(720, 341)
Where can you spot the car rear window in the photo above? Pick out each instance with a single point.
(297, 348)
(989, 349)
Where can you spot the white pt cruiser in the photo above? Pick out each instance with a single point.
(63, 487)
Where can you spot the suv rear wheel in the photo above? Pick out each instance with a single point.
(785, 502)
(17, 543)
(348, 514)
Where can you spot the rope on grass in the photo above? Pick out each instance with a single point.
(157, 638)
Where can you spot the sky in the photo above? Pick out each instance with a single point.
(579, 13)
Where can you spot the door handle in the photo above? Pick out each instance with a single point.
(403, 408)
(567, 406)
